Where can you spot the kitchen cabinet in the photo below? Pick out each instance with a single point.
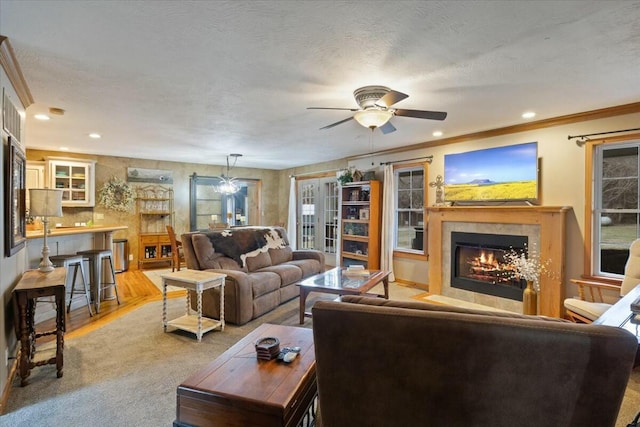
(35, 177)
(76, 179)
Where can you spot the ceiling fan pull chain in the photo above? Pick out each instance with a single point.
(371, 145)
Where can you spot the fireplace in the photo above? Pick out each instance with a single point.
(544, 227)
(477, 263)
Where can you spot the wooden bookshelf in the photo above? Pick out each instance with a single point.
(360, 220)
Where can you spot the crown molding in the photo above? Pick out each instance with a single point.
(14, 72)
(601, 113)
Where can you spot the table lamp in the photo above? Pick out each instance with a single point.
(45, 202)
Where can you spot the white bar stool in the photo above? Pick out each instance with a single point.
(77, 262)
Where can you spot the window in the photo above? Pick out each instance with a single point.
(616, 213)
(409, 217)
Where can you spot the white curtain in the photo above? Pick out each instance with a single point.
(292, 229)
(388, 214)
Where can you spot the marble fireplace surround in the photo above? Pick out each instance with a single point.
(543, 225)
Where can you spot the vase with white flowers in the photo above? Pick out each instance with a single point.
(526, 265)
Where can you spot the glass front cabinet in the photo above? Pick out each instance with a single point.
(76, 179)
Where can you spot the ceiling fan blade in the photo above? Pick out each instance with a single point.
(420, 114)
(387, 128)
(337, 123)
(391, 98)
(330, 108)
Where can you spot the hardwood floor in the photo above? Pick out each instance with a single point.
(134, 289)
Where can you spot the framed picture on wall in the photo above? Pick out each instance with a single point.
(15, 191)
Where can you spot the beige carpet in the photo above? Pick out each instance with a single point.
(126, 372)
(155, 276)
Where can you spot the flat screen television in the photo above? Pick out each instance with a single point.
(499, 174)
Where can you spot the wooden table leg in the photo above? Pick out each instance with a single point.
(385, 283)
(59, 332)
(303, 301)
(199, 303)
(25, 347)
(164, 304)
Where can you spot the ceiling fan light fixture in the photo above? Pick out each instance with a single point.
(373, 118)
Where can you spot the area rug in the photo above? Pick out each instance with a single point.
(126, 373)
(155, 276)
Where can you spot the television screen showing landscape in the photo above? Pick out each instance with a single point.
(495, 174)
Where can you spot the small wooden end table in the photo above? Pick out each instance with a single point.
(198, 281)
(335, 281)
(35, 284)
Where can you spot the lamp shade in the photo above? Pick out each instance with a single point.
(45, 202)
(373, 118)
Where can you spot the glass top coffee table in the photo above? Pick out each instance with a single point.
(338, 281)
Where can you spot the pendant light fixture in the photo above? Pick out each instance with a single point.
(228, 184)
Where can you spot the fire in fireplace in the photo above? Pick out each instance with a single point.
(478, 265)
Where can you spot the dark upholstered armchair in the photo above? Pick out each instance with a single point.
(390, 363)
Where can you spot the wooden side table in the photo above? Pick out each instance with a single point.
(198, 281)
(35, 284)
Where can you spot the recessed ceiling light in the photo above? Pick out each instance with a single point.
(41, 117)
(437, 133)
(95, 135)
(528, 115)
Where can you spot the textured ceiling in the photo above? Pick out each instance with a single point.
(195, 81)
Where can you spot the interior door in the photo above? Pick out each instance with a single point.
(318, 216)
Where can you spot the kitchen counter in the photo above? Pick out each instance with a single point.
(67, 231)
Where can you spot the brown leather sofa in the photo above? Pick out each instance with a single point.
(389, 363)
(261, 269)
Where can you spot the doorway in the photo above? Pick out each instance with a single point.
(318, 216)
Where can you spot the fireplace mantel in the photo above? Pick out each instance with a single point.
(551, 224)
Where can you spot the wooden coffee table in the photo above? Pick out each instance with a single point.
(237, 389)
(334, 281)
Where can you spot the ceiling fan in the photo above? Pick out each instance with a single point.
(375, 109)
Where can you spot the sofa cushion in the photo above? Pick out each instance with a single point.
(416, 305)
(278, 256)
(289, 274)
(309, 267)
(227, 263)
(206, 255)
(289, 292)
(263, 282)
(259, 261)
(265, 303)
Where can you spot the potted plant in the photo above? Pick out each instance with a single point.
(345, 177)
